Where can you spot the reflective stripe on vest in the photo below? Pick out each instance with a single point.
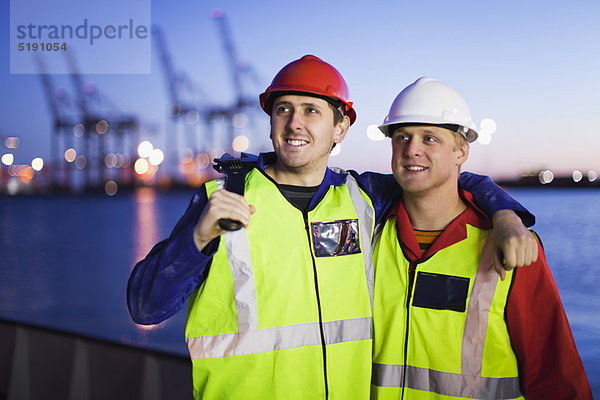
(445, 383)
(250, 339)
(469, 384)
(279, 338)
(365, 219)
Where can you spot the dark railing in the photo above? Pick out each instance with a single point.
(40, 363)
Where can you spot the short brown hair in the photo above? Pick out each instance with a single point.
(459, 139)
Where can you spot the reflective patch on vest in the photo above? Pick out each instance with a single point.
(335, 238)
(441, 292)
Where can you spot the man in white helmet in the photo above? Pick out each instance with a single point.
(445, 324)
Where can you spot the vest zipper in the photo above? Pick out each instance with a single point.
(411, 281)
(323, 344)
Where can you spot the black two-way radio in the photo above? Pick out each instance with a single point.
(235, 170)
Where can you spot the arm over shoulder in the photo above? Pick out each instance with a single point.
(491, 198)
(381, 188)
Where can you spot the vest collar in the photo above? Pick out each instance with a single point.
(331, 178)
(454, 233)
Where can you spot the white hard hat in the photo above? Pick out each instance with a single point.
(430, 101)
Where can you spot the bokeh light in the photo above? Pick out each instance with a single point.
(80, 162)
(110, 160)
(484, 138)
(102, 127)
(186, 154)
(546, 177)
(240, 120)
(488, 125)
(486, 130)
(111, 188)
(70, 155)
(145, 148)
(12, 142)
(202, 160)
(8, 159)
(78, 130)
(374, 133)
(192, 117)
(37, 163)
(141, 166)
(156, 157)
(240, 143)
(592, 176)
(577, 176)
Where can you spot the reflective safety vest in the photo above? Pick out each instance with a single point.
(451, 341)
(285, 311)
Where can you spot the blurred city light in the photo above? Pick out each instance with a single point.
(592, 176)
(37, 163)
(110, 188)
(240, 120)
(26, 174)
(240, 143)
(12, 142)
(488, 125)
(156, 157)
(78, 130)
(484, 138)
(70, 155)
(145, 148)
(215, 153)
(12, 187)
(8, 159)
(487, 128)
(186, 154)
(192, 117)
(374, 133)
(80, 162)
(141, 166)
(121, 161)
(202, 160)
(102, 127)
(110, 160)
(546, 177)
(577, 176)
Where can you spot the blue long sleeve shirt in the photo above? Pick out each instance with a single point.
(161, 283)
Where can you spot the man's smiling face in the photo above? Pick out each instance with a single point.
(303, 133)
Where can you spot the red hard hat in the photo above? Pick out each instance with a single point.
(310, 75)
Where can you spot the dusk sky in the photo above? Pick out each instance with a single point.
(532, 67)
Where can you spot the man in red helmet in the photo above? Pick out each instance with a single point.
(282, 309)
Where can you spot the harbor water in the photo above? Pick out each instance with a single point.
(65, 261)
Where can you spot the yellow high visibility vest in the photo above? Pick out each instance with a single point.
(451, 341)
(285, 311)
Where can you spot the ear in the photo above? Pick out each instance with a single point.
(341, 129)
(462, 153)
